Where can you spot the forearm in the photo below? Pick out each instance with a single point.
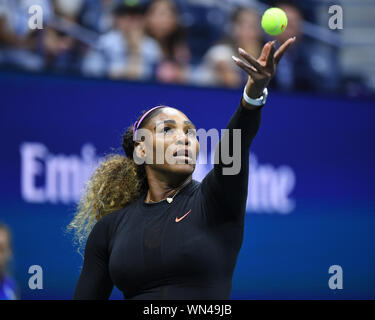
(236, 141)
(246, 121)
(225, 186)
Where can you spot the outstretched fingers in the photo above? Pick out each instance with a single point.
(264, 67)
(270, 55)
(280, 52)
(265, 51)
(251, 60)
(245, 66)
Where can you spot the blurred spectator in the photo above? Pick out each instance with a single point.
(306, 65)
(217, 67)
(14, 16)
(97, 15)
(169, 40)
(126, 51)
(49, 49)
(163, 24)
(69, 9)
(8, 290)
(16, 39)
(58, 51)
(7, 34)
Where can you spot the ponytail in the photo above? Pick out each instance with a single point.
(117, 182)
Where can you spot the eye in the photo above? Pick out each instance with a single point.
(191, 132)
(166, 129)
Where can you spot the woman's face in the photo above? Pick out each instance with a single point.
(295, 20)
(161, 19)
(172, 145)
(247, 27)
(127, 23)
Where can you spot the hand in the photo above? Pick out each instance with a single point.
(261, 70)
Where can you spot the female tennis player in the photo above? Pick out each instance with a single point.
(152, 230)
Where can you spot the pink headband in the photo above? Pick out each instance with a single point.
(138, 123)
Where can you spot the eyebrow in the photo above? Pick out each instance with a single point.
(186, 122)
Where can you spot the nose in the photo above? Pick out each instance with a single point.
(182, 138)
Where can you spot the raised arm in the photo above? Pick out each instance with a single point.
(225, 186)
(94, 282)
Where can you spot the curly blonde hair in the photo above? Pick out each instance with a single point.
(117, 182)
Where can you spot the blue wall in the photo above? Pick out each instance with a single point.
(312, 180)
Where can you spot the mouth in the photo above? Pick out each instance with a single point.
(184, 154)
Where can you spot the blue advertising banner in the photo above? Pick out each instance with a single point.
(309, 231)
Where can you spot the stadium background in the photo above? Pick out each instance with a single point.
(311, 195)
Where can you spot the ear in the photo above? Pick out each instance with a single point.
(140, 150)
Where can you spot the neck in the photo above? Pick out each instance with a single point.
(160, 187)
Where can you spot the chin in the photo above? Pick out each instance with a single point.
(182, 168)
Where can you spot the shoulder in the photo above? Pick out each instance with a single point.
(110, 221)
(193, 190)
(220, 52)
(111, 39)
(151, 47)
(9, 281)
(149, 42)
(103, 230)
(194, 186)
(106, 226)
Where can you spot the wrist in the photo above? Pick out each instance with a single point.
(253, 90)
(251, 103)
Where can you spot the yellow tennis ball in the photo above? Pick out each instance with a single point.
(274, 21)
